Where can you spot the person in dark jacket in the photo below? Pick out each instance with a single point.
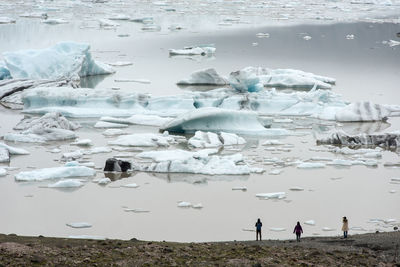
(298, 231)
(258, 229)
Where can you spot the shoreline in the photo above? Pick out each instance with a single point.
(381, 249)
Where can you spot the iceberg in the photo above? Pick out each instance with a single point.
(14, 150)
(55, 173)
(217, 119)
(150, 120)
(108, 23)
(310, 222)
(364, 111)
(209, 139)
(104, 181)
(200, 162)
(69, 183)
(310, 165)
(4, 72)
(192, 51)
(49, 120)
(4, 155)
(3, 172)
(82, 142)
(386, 140)
(275, 195)
(79, 225)
(145, 140)
(114, 132)
(130, 185)
(64, 60)
(204, 77)
(245, 81)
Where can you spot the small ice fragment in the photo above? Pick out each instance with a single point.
(54, 21)
(183, 204)
(55, 150)
(139, 210)
(104, 124)
(237, 188)
(296, 188)
(310, 165)
(272, 142)
(389, 221)
(133, 81)
(114, 132)
(3, 172)
(391, 191)
(310, 222)
(326, 229)
(108, 23)
(262, 35)
(104, 181)
(395, 179)
(79, 225)
(307, 37)
(276, 195)
(254, 44)
(130, 185)
(6, 20)
(277, 229)
(120, 63)
(197, 206)
(82, 142)
(275, 171)
(350, 36)
(70, 183)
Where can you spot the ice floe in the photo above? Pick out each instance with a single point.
(275, 171)
(67, 59)
(204, 77)
(191, 51)
(272, 142)
(277, 229)
(146, 140)
(3, 172)
(239, 188)
(114, 132)
(49, 120)
(69, 183)
(79, 225)
(6, 20)
(296, 188)
(200, 162)
(82, 142)
(310, 222)
(108, 23)
(133, 185)
(150, 120)
(54, 21)
(210, 139)
(311, 165)
(275, 195)
(364, 111)
(391, 43)
(120, 63)
(385, 140)
(55, 173)
(184, 204)
(4, 155)
(14, 150)
(104, 181)
(105, 124)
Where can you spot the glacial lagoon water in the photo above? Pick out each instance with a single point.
(365, 69)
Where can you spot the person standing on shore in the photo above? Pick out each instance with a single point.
(345, 227)
(298, 231)
(258, 229)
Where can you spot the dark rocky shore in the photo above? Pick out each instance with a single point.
(376, 249)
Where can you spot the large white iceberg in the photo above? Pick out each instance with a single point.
(210, 139)
(200, 162)
(204, 77)
(67, 60)
(363, 111)
(55, 173)
(215, 119)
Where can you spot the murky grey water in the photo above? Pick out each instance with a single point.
(365, 69)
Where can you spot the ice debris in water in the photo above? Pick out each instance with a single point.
(146, 140)
(296, 188)
(272, 142)
(55, 173)
(108, 23)
(277, 229)
(307, 37)
(191, 51)
(14, 150)
(275, 195)
(262, 35)
(120, 63)
(133, 185)
(54, 21)
(200, 162)
(104, 124)
(69, 183)
(365, 111)
(327, 229)
(239, 188)
(275, 171)
(3, 172)
(310, 222)
(114, 132)
(68, 59)
(104, 181)
(350, 36)
(79, 225)
(184, 204)
(6, 20)
(82, 142)
(310, 165)
(49, 120)
(209, 139)
(391, 43)
(385, 140)
(151, 120)
(216, 119)
(204, 77)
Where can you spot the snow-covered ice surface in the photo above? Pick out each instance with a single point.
(365, 72)
(55, 173)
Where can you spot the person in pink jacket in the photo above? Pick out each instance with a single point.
(298, 231)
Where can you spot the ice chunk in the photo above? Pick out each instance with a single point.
(200, 162)
(151, 120)
(97, 150)
(307, 37)
(6, 20)
(275, 171)
(87, 237)
(197, 206)
(49, 120)
(68, 60)
(3, 172)
(191, 51)
(326, 229)
(104, 181)
(272, 143)
(262, 35)
(54, 21)
(55, 173)
(144, 139)
(245, 81)
(310, 222)
(277, 229)
(130, 185)
(133, 81)
(391, 43)
(114, 132)
(68, 156)
(363, 111)
(209, 139)
(350, 36)
(79, 225)
(310, 165)
(40, 135)
(296, 188)
(4, 155)
(14, 150)
(184, 204)
(275, 195)
(120, 63)
(204, 77)
(215, 119)
(104, 124)
(241, 188)
(386, 140)
(108, 23)
(82, 142)
(119, 17)
(69, 183)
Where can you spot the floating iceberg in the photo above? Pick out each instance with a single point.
(4, 72)
(3, 172)
(215, 119)
(200, 162)
(386, 140)
(150, 120)
(69, 183)
(310, 165)
(14, 150)
(4, 155)
(104, 124)
(114, 132)
(79, 225)
(108, 23)
(204, 77)
(191, 51)
(209, 139)
(82, 142)
(145, 139)
(310, 222)
(49, 120)
(245, 81)
(64, 60)
(55, 173)
(130, 185)
(364, 111)
(275, 195)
